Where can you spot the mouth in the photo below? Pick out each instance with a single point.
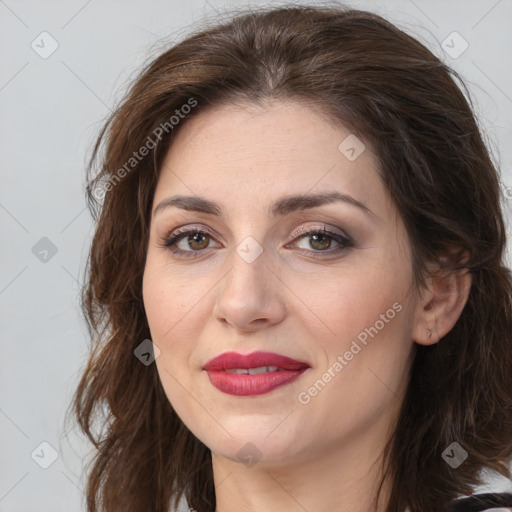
(252, 374)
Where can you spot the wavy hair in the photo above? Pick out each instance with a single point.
(390, 90)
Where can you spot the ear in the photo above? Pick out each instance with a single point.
(440, 304)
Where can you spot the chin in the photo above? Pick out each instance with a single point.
(251, 446)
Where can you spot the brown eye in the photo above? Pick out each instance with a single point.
(321, 240)
(197, 241)
(188, 242)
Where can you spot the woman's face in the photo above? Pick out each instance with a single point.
(263, 277)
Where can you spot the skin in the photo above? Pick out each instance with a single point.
(323, 455)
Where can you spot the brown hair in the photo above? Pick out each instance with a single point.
(391, 91)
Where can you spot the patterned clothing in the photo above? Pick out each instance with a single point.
(491, 502)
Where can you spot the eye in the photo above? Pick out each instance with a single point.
(321, 241)
(189, 242)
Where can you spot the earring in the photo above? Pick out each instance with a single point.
(429, 333)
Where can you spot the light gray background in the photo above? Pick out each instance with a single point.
(51, 109)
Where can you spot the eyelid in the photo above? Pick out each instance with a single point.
(325, 228)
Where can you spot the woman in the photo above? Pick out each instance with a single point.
(296, 285)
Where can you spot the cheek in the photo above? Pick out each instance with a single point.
(176, 309)
(164, 309)
(166, 312)
(340, 308)
(366, 319)
(172, 301)
(373, 343)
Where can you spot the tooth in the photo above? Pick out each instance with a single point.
(256, 371)
(253, 371)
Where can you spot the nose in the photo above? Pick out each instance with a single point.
(250, 296)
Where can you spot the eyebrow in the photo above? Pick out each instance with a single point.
(280, 207)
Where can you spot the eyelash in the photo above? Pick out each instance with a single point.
(344, 241)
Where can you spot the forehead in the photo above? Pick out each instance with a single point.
(243, 152)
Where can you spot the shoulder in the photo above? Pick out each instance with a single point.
(491, 502)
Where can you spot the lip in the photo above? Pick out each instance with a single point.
(246, 385)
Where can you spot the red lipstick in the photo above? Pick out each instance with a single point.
(252, 374)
